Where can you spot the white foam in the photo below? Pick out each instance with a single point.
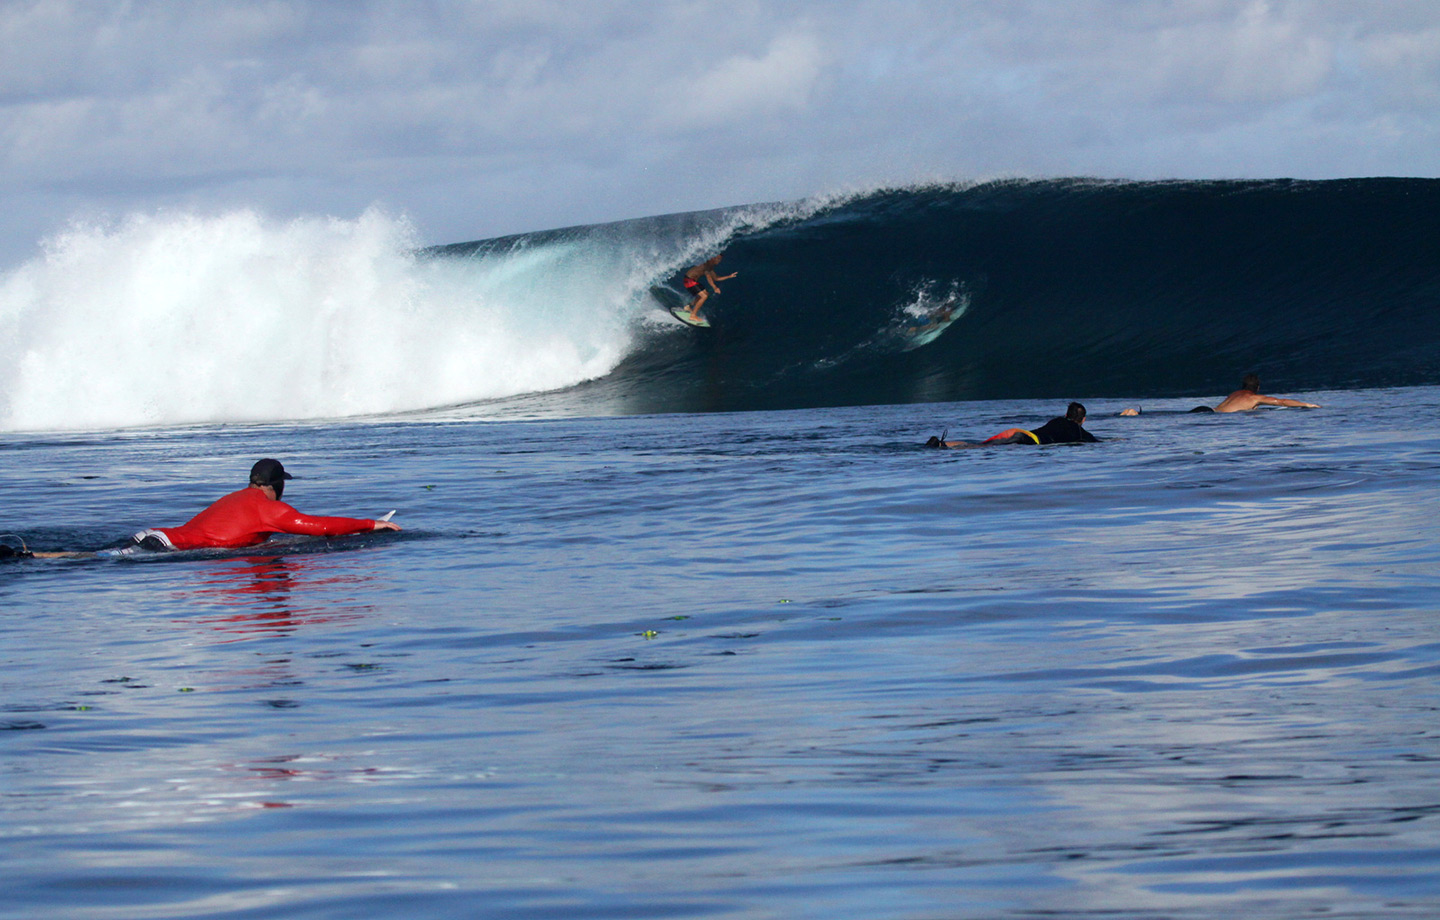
(180, 318)
(183, 318)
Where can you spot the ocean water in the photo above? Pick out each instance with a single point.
(760, 664)
(688, 624)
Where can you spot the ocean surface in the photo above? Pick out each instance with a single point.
(690, 624)
(778, 664)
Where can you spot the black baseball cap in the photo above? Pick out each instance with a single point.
(268, 472)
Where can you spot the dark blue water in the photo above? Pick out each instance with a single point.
(1063, 288)
(775, 664)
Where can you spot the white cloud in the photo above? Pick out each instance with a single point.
(742, 86)
(1405, 65)
(496, 117)
(1262, 55)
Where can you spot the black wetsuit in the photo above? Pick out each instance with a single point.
(1061, 430)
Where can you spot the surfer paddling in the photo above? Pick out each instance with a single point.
(249, 516)
(1245, 399)
(1066, 429)
(704, 272)
(1248, 397)
(243, 518)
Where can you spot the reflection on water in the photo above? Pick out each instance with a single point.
(754, 666)
(262, 596)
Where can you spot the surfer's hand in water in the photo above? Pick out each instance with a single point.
(385, 525)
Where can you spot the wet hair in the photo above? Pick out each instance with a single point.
(1251, 383)
(1075, 412)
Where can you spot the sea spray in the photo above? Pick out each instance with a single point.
(177, 318)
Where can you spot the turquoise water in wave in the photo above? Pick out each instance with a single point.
(780, 664)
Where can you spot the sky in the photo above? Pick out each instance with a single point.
(479, 119)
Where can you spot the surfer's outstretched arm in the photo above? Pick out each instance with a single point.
(1287, 403)
(22, 551)
(712, 278)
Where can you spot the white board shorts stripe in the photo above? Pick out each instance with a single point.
(140, 538)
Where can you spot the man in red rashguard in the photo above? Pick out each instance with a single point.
(249, 516)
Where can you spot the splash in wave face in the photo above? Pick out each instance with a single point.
(181, 318)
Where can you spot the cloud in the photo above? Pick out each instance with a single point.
(1262, 54)
(486, 118)
(1403, 67)
(741, 87)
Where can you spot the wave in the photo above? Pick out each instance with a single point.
(1016, 289)
(173, 319)
(1062, 289)
(181, 318)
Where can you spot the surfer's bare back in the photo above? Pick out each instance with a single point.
(1248, 397)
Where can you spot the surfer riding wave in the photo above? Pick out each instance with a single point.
(704, 272)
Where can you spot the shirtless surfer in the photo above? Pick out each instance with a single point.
(705, 272)
(1066, 429)
(1248, 397)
